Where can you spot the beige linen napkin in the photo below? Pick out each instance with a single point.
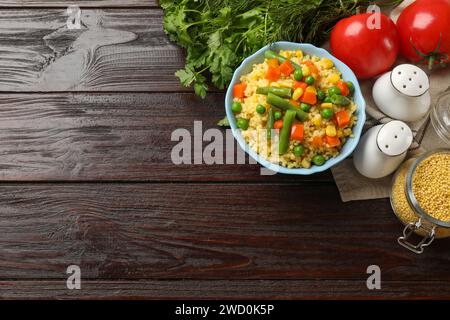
(352, 185)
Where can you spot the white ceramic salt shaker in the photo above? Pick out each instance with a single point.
(403, 93)
(382, 149)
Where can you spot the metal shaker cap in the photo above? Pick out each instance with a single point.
(394, 138)
(410, 80)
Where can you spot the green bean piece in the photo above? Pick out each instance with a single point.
(339, 100)
(285, 133)
(305, 107)
(327, 100)
(318, 160)
(270, 122)
(269, 54)
(281, 92)
(284, 104)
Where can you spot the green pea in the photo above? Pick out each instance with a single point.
(327, 99)
(340, 100)
(333, 91)
(277, 115)
(305, 107)
(298, 150)
(351, 87)
(321, 95)
(298, 75)
(242, 123)
(309, 80)
(260, 109)
(236, 107)
(326, 113)
(318, 160)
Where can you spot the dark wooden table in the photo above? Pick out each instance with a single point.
(86, 118)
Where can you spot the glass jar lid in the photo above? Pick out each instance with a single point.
(410, 195)
(440, 117)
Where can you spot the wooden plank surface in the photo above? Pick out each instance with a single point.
(203, 231)
(115, 50)
(87, 179)
(80, 3)
(223, 289)
(89, 137)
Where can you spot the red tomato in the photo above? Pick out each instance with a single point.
(424, 30)
(368, 52)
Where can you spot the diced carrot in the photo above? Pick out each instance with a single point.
(297, 131)
(312, 67)
(333, 141)
(342, 118)
(273, 74)
(239, 90)
(345, 91)
(295, 103)
(317, 141)
(278, 124)
(299, 84)
(273, 63)
(286, 68)
(309, 98)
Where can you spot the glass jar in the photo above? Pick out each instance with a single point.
(409, 211)
(440, 117)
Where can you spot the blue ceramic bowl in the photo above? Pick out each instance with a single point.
(347, 74)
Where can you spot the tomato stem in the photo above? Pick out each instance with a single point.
(430, 62)
(433, 56)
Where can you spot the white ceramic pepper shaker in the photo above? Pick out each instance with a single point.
(382, 149)
(403, 93)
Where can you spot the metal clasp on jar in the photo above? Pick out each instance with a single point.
(409, 230)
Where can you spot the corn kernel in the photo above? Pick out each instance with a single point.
(306, 164)
(334, 78)
(327, 105)
(317, 120)
(299, 54)
(305, 70)
(311, 89)
(330, 131)
(326, 63)
(297, 94)
(285, 54)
